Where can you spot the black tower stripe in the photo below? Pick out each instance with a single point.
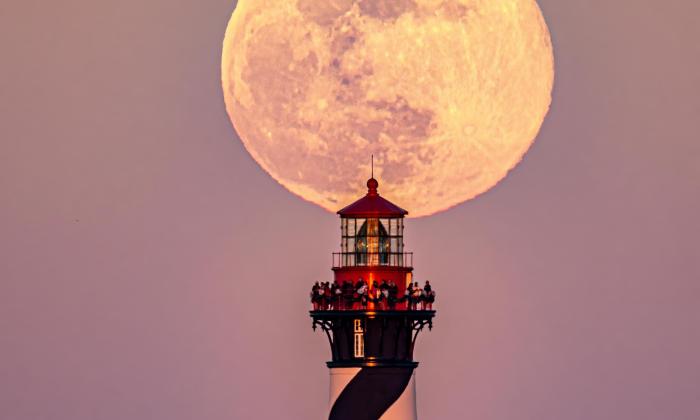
(370, 393)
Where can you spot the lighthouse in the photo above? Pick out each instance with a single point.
(372, 312)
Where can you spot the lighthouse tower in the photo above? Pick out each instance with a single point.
(372, 314)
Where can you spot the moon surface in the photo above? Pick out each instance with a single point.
(447, 94)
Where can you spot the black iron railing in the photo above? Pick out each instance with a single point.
(370, 259)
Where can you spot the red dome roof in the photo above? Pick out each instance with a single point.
(372, 205)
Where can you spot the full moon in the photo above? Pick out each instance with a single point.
(448, 95)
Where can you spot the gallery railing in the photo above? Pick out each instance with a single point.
(368, 259)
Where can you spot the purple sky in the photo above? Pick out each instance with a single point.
(150, 269)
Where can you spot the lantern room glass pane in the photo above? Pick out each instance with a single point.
(350, 243)
(395, 244)
(385, 224)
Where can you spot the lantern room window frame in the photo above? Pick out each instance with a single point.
(380, 232)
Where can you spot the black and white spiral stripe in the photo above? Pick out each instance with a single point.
(372, 392)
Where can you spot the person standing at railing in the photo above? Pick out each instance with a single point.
(327, 295)
(417, 296)
(337, 296)
(347, 295)
(358, 294)
(384, 292)
(322, 296)
(315, 297)
(363, 294)
(393, 294)
(330, 294)
(376, 295)
(364, 298)
(429, 296)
